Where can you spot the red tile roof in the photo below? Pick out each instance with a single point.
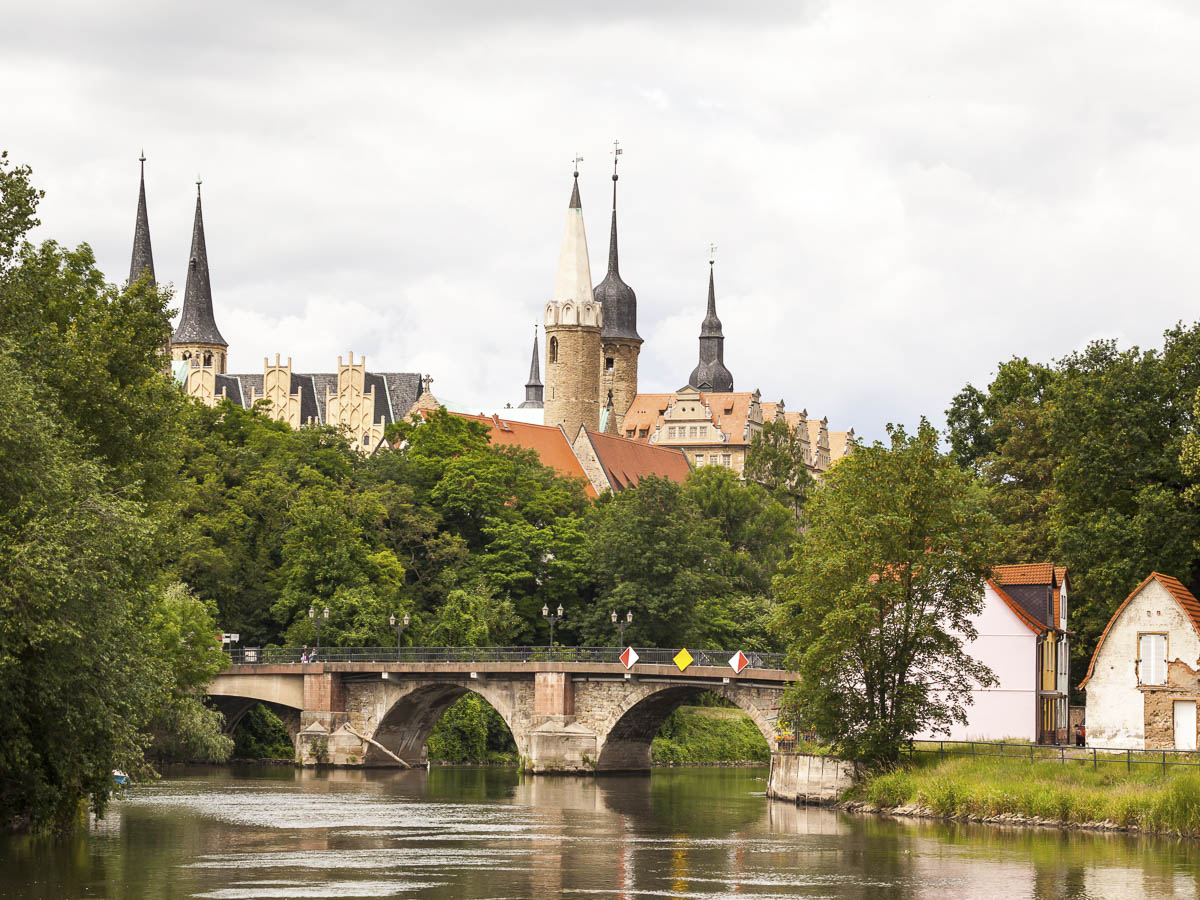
(1025, 573)
(727, 411)
(548, 441)
(627, 461)
(1191, 606)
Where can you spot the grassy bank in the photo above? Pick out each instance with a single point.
(1067, 794)
(708, 734)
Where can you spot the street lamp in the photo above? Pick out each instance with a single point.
(312, 614)
(399, 630)
(552, 619)
(621, 626)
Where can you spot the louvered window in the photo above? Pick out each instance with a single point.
(1152, 658)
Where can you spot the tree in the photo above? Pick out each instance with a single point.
(652, 551)
(776, 460)
(879, 596)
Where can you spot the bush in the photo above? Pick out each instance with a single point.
(891, 790)
(262, 735)
(471, 731)
(708, 734)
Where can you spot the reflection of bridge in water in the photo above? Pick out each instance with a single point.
(573, 709)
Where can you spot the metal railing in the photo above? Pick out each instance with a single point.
(646, 656)
(1111, 758)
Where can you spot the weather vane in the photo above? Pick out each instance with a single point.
(712, 253)
(617, 151)
(577, 160)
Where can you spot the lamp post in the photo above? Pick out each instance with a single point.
(621, 626)
(399, 630)
(312, 614)
(552, 619)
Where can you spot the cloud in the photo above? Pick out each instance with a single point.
(902, 194)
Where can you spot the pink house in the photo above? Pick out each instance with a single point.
(1023, 639)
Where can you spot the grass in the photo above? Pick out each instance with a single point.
(960, 786)
(707, 734)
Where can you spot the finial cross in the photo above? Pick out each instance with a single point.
(617, 151)
(426, 382)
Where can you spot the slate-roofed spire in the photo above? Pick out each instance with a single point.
(196, 323)
(534, 390)
(143, 256)
(617, 298)
(710, 374)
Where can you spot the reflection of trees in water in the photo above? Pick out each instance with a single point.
(472, 784)
(707, 802)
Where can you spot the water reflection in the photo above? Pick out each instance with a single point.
(707, 833)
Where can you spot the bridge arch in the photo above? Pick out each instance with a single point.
(639, 718)
(412, 711)
(234, 695)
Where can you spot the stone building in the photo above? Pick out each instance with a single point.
(359, 402)
(1143, 682)
(619, 335)
(573, 321)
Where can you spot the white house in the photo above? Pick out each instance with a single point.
(1023, 639)
(1143, 681)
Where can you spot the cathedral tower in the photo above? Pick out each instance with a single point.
(197, 339)
(710, 374)
(533, 387)
(619, 338)
(573, 322)
(143, 256)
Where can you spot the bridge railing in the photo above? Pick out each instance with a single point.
(646, 655)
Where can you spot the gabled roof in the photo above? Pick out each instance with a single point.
(728, 410)
(548, 441)
(625, 462)
(1025, 573)
(1190, 605)
(1026, 619)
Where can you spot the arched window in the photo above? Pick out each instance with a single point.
(208, 357)
(187, 354)
(553, 349)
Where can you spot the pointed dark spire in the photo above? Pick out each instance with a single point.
(616, 298)
(196, 323)
(534, 390)
(710, 374)
(143, 256)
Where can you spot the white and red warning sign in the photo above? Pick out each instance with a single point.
(738, 661)
(629, 657)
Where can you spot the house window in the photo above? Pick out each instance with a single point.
(643, 432)
(671, 432)
(1152, 659)
(629, 433)
(694, 431)
(553, 349)
(608, 364)
(699, 459)
(726, 459)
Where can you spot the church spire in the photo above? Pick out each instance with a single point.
(710, 373)
(196, 323)
(574, 282)
(533, 387)
(143, 257)
(617, 298)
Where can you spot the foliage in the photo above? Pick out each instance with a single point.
(879, 597)
(706, 734)
(262, 735)
(1082, 462)
(776, 460)
(471, 731)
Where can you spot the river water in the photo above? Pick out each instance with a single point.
(491, 833)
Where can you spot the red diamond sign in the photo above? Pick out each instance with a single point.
(629, 657)
(738, 661)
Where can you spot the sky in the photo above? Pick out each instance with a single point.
(902, 195)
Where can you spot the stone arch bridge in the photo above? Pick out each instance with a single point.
(580, 711)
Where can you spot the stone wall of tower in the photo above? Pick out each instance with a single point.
(210, 355)
(622, 378)
(573, 366)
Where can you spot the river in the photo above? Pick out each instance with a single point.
(491, 833)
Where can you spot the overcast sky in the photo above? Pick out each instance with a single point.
(902, 194)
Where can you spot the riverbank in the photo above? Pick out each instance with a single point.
(1014, 792)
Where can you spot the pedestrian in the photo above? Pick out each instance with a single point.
(1080, 734)
(304, 655)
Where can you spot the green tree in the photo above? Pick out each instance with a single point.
(879, 597)
(776, 460)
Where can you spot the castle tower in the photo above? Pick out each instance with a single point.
(143, 256)
(619, 338)
(573, 322)
(534, 390)
(197, 339)
(710, 374)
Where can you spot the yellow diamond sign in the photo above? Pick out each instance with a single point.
(683, 659)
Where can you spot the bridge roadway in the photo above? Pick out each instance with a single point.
(577, 710)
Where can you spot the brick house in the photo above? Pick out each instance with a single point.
(1143, 682)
